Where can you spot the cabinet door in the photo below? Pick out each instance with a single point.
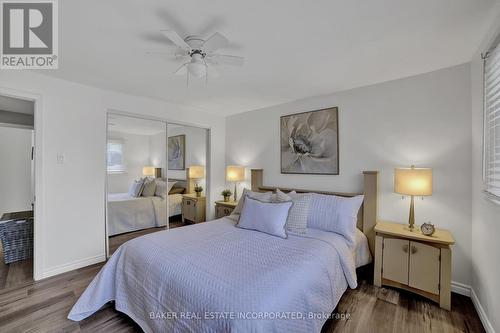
(424, 267)
(395, 256)
(188, 209)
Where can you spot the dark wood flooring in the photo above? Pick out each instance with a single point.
(15, 273)
(43, 306)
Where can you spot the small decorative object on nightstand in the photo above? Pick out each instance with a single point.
(415, 262)
(226, 194)
(224, 208)
(193, 208)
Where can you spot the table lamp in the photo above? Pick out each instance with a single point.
(235, 174)
(413, 182)
(150, 171)
(196, 172)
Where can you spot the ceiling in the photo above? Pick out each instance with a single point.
(292, 48)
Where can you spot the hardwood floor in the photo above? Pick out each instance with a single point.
(16, 273)
(44, 305)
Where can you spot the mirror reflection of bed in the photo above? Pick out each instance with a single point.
(140, 197)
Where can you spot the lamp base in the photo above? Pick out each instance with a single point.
(411, 217)
(235, 193)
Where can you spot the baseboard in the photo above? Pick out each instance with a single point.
(460, 288)
(482, 315)
(72, 266)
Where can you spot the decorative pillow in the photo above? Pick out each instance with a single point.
(261, 196)
(297, 218)
(336, 214)
(177, 190)
(163, 187)
(267, 217)
(135, 188)
(149, 188)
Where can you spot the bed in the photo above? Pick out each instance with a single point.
(214, 277)
(127, 213)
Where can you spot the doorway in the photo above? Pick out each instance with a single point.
(17, 188)
(149, 175)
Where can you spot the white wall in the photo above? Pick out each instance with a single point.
(136, 149)
(15, 169)
(485, 213)
(196, 150)
(422, 120)
(69, 232)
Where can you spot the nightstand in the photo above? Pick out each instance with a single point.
(412, 261)
(224, 208)
(193, 208)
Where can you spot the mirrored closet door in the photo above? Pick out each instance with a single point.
(156, 177)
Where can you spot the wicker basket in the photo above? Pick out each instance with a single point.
(17, 239)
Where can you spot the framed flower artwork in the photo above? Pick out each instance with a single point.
(310, 142)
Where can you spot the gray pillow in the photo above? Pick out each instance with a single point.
(261, 196)
(297, 218)
(149, 188)
(135, 188)
(267, 217)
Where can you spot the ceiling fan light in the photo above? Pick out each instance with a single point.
(197, 69)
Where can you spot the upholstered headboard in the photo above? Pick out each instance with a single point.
(367, 216)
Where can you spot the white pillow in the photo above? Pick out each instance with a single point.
(149, 188)
(136, 187)
(297, 218)
(267, 217)
(163, 187)
(261, 196)
(336, 214)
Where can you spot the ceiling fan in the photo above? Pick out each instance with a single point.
(201, 54)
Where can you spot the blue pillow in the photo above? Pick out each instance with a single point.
(267, 217)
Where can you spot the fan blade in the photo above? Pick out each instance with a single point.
(216, 41)
(224, 59)
(212, 72)
(177, 55)
(176, 39)
(181, 70)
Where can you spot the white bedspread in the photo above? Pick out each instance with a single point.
(178, 280)
(127, 213)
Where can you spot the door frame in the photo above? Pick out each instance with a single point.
(38, 212)
(166, 121)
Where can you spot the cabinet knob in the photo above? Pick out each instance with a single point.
(405, 248)
(413, 249)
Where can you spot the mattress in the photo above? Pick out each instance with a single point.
(215, 277)
(127, 213)
(362, 255)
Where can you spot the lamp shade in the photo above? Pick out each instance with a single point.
(235, 173)
(148, 171)
(196, 171)
(413, 181)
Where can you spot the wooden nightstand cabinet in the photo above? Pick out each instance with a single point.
(224, 208)
(412, 261)
(193, 208)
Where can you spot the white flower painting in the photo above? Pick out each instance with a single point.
(176, 152)
(309, 142)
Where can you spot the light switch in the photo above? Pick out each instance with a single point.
(60, 159)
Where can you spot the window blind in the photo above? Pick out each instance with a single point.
(492, 122)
